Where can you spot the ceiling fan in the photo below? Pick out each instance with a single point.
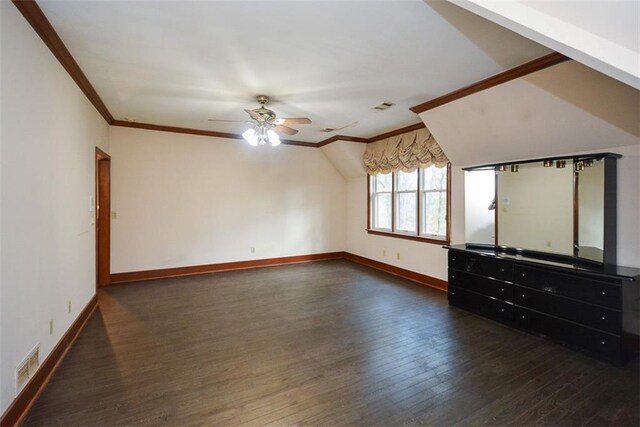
(266, 124)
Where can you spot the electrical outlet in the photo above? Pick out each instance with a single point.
(398, 256)
(51, 327)
(384, 252)
(549, 243)
(114, 215)
(253, 250)
(69, 306)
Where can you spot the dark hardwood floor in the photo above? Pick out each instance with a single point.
(326, 343)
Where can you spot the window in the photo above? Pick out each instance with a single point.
(414, 205)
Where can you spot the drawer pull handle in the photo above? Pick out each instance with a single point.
(604, 317)
(502, 269)
(524, 317)
(524, 295)
(603, 342)
(453, 276)
(524, 274)
(453, 259)
(604, 292)
(453, 293)
(502, 310)
(502, 289)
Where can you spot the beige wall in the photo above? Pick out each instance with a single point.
(49, 133)
(184, 200)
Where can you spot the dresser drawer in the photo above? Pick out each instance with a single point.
(599, 343)
(480, 265)
(482, 285)
(486, 306)
(590, 315)
(576, 287)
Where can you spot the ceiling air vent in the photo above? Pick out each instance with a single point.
(383, 106)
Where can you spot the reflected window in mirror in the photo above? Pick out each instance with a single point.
(480, 204)
(590, 214)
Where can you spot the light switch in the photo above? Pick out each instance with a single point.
(92, 204)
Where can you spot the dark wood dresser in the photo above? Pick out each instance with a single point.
(590, 309)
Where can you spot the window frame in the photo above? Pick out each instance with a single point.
(418, 235)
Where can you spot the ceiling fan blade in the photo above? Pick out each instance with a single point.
(255, 116)
(285, 129)
(293, 121)
(230, 121)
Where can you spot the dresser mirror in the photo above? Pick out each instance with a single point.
(556, 206)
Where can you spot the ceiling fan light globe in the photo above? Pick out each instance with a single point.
(250, 136)
(274, 139)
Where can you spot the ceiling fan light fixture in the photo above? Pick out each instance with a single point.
(250, 136)
(274, 139)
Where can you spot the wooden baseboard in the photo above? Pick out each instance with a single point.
(18, 409)
(423, 279)
(164, 273)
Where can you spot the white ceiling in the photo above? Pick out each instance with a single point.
(178, 63)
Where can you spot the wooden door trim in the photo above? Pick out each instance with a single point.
(102, 222)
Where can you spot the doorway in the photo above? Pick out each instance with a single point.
(103, 218)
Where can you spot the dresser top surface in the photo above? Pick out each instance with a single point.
(620, 272)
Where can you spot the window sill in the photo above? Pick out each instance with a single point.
(409, 237)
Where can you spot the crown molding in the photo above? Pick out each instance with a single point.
(397, 132)
(511, 74)
(39, 22)
(341, 138)
(191, 131)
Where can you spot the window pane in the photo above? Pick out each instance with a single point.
(407, 181)
(382, 182)
(406, 212)
(434, 178)
(434, 208)
(382, 211)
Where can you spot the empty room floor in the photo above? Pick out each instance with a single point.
(324, 343)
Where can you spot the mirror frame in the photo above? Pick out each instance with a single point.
(610, 209)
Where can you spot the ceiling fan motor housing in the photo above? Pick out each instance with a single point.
(267, 115)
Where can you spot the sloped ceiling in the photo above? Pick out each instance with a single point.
(346, 157)
(563, 109)
(179, 63)
(602, 34)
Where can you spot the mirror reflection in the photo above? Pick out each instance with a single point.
(553, 206)
(590, 218)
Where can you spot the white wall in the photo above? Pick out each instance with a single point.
(421, 257)
(628, 241)
(184, 200)
(49, 133)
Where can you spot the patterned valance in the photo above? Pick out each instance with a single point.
(405, 152)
